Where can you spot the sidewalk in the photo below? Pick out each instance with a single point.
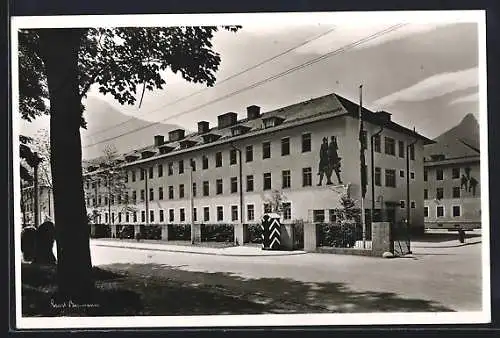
(242, 251)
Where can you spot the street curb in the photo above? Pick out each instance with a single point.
(200, 253)
(449, 246)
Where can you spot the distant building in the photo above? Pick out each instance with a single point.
(45, 203)
(196, 178)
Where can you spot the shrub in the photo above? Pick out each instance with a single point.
(343, 235)
(179, 232)
(255, 233)
(217, 233)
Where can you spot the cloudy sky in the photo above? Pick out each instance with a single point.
(425, 74)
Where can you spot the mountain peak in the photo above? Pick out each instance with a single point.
(469, 119)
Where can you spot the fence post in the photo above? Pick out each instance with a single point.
(381, 239)
(240, 233)
(310, 237)
(195, 233)
(164, 232)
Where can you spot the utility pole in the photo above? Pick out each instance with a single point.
(191, 164)
(362, 164)
(372, 154)
(408, 213)
(35, 191)
(146, 173)
(240, 179)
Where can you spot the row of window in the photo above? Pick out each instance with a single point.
(390, 177)
(390, 147)
(455, 211)
(455, 173)
(440, 193)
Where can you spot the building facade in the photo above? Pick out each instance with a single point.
(307, 154)
(45, 204)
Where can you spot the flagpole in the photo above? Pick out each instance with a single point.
(361, 150)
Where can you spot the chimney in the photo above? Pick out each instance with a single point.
(384, 116)
(203, 127)
(176, 135)
(227, 120)
(253, 112)
(159, 140)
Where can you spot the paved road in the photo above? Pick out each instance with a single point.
(447, 276)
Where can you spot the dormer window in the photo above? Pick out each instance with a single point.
(187, 143)
(131, 158)
(165, 149)
(438, 157)
(207, 138)
(272, 121)
(147, 154)
(238, 130)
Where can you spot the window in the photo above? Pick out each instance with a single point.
(234, 184)
(127, 217)
(160, 170)
(234, 212)
(267, 181)
(332, 215)
(218, 186)
(249, 153)
(232, 157)
(306, 177)
(286, 179)
(142, 195)
(195, 215)
(390, 146)
(220, 213)
(99, 200)
(194, 189)
(135, 216)
(412, 152)
(306, 142)
(218, 159)
(160, 193)
(455, 173)
(204, 161)
(439, 193)
(119, 217)
(412, 175)
(402, 204)
(133, 175)
(287, 210)
(162, 216)
(182, 215)
(250, 212)
(143, 216)
(267, 208)
(125, 176)
(425, 175)
(439, 174)
(134, 196)
(401, 147)
(112, 199)
(181, 190)
(171, 192)
(192, 164)
(249, 182)
(378, 176)
(151, 215)
(170, 167)
(440, 211)
(401, 173)
(285, 146)
(426, 194)
(142, 174)
(390, 178)
(151, 194)
(151, 174)
(266, 150)
(171, 215)
(181, 167)
(426, 211)
(456, 211)
(106, 217)
(456, 192)
(206, 214)
(206, 188)
(412, 204)
(377, 144)
(318, 216)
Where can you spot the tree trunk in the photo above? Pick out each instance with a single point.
(59, 49)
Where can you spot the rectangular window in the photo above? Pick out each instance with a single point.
(234, 212)
(266, 150)
(206, 214)
(412, 152)
(306, 142)
(119, 217)
(401, 147)
(142, 195)
(455, 173)
(151, 194)
(332, 215)
(218, 159)
(220, 213)
(127, 217)
(170, 167)
(285, 146)
(425, 175)
(412, 204)
(318, 216)
(143, 216)
(250, 212)
(439, 174)
(135, 216)
(162, 216)
(426, 211)
(170, 192)
(206, 188)
(439, 193)
(412, 175)
(390, 178)
(160, 193)
(286, 178)
(160, 170)
(249, 182)
(232, 157)
(402, 204)
(377, 145)
(195, 215)
(456, 211)
(204, 161)
(234, 184)
(267, 208)
(151, 174)
(142, 174)
(267, 181)
(401, 173)
(151, 215)
(287, 210)
(456, 192)
(112, 199)
(440, 211)
(181, 190)
(106, 217)
(426, 194)
(249, 153)
(194, 189)
(181, 167)
(192, 164)
(306, 177)
(133, 175)
(378, 176)
(171, 215)
(182, 215)
(218, 186)
(390, 146)
(134, 196)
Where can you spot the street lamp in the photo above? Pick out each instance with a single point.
(240, 179)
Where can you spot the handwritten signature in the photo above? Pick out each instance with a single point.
(71, 304)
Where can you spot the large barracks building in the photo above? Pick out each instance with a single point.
(229, 172)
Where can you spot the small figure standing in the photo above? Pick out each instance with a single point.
(461, 235)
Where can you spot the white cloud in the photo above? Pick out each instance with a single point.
(432, 87)
(468, 98)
